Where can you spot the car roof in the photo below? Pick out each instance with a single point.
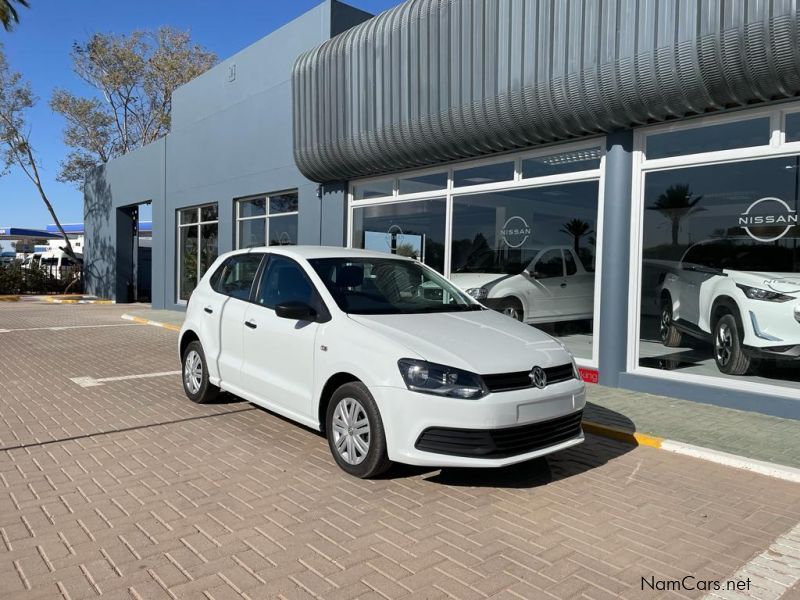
(312, 252)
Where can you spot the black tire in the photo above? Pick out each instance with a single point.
(729, 354)
(671, 336)
(376, 459)
(511, 307)
(205, 392)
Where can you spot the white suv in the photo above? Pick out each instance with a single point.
(552, 286)
(361, 346)
(741, 294)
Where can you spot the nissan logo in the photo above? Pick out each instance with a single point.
(772, 212)
(538, 377)
(515, 232)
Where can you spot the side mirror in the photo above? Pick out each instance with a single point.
(532, 274)
(296, 311)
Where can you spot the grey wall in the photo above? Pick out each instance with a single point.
(436, 80)
(231, 137)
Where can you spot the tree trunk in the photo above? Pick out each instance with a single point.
(676, 227)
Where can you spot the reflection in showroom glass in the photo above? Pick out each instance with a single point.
(720, 271)
(531, 254)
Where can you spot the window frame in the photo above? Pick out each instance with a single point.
(265, 217)
(221, 270)
(777, 148)
(179, 250)
(518, 183)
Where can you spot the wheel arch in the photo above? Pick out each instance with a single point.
(187, 338)
(726, 305)
(333, 383)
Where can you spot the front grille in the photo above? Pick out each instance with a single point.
(504, 382)
(500, 443)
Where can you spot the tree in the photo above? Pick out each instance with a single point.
(134, 76)
(676, 203)
(16, 98)
(577, 229)
(8, 12)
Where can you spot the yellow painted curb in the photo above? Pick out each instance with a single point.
(631, 437)
(74, 300)
(142, 321)
(9, 298)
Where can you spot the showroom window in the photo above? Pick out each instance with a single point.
(520, 233)
(718, 288)
(198, 229)
(269, 220)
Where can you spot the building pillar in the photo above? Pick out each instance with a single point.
(333, 231)
(617, 199)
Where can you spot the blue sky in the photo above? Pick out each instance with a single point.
(39, 48)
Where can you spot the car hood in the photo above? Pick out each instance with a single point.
(784, 283)
(475, 280)
(483, 342)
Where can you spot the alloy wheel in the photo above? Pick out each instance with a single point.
(723, 344)
(351, 431)
(512, 312)
(666, 321)
(193, 372)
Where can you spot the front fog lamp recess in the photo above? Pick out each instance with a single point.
(440, 380)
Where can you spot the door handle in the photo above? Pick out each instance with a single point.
(208, 309)
(251, 324)
(564, 284)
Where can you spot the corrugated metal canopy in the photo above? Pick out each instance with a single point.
(436, 80)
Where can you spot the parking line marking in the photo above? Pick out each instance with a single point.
(771, 574)
(92, 382)
(65, 327)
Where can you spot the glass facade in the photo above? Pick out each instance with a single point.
(269, 220)
(720, 266)
(198, 233)
(527, 250)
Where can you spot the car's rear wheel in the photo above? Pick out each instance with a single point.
(511, 307)
(729, 355)
(671, 336)
(355, 432)
(194, 373)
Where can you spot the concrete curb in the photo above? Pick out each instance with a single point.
(761, 467)
(76, 300)
(142, 321)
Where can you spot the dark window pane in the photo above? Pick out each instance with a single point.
(550, 264)
(793, 127)
(283, 230)
(283, 203)
(564, 162)
(254, 207)
(284, 281)
(725, 136)
(208, 246)
(484, 174)
(252, 233)
(376, 189)
(188, 215)
(187, 261)
(235, 277)
(569, 263)
(208, 212)
(423, 183)
(414, 229)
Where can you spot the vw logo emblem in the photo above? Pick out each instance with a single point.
(538, 377)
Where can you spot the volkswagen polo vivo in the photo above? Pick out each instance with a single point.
(354, 344)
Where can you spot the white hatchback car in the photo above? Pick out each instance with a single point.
(362, 347)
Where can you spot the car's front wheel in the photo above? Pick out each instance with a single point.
(355, 432)
(671, 336)
(511, 307)
(729, 355)
(194, 373)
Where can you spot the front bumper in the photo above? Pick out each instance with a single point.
(408, 415)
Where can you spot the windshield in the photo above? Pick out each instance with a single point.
(386, 286)
(779, 256)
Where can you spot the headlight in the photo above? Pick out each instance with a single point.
(478, 293)
(430, 378)
(755, 293)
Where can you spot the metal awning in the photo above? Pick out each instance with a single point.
(27, 235)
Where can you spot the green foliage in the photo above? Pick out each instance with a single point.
(9, 16)
(35, 279)
(135, 76)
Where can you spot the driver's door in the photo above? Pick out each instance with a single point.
(278, 353)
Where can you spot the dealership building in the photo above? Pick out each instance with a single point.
(624, 174)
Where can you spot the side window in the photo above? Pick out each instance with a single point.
(285, 281)
(569, 261)
(550, 265)
(236, 275)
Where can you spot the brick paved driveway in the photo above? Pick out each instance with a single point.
(129, 490)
